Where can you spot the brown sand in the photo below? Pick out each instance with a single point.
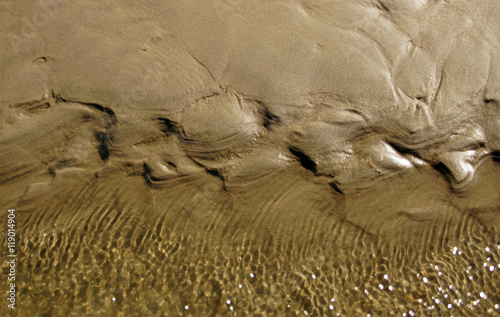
(265, 158)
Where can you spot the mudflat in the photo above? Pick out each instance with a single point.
(251, 158)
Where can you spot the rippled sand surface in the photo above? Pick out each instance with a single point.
(251, 158)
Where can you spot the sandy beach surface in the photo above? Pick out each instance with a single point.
(250, 158)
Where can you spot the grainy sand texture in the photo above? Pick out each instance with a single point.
(250, 158)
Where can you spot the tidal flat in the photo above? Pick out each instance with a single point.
(250, 158)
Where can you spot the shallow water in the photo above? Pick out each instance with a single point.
(196, 250)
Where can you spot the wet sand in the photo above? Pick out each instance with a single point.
(283, 158)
